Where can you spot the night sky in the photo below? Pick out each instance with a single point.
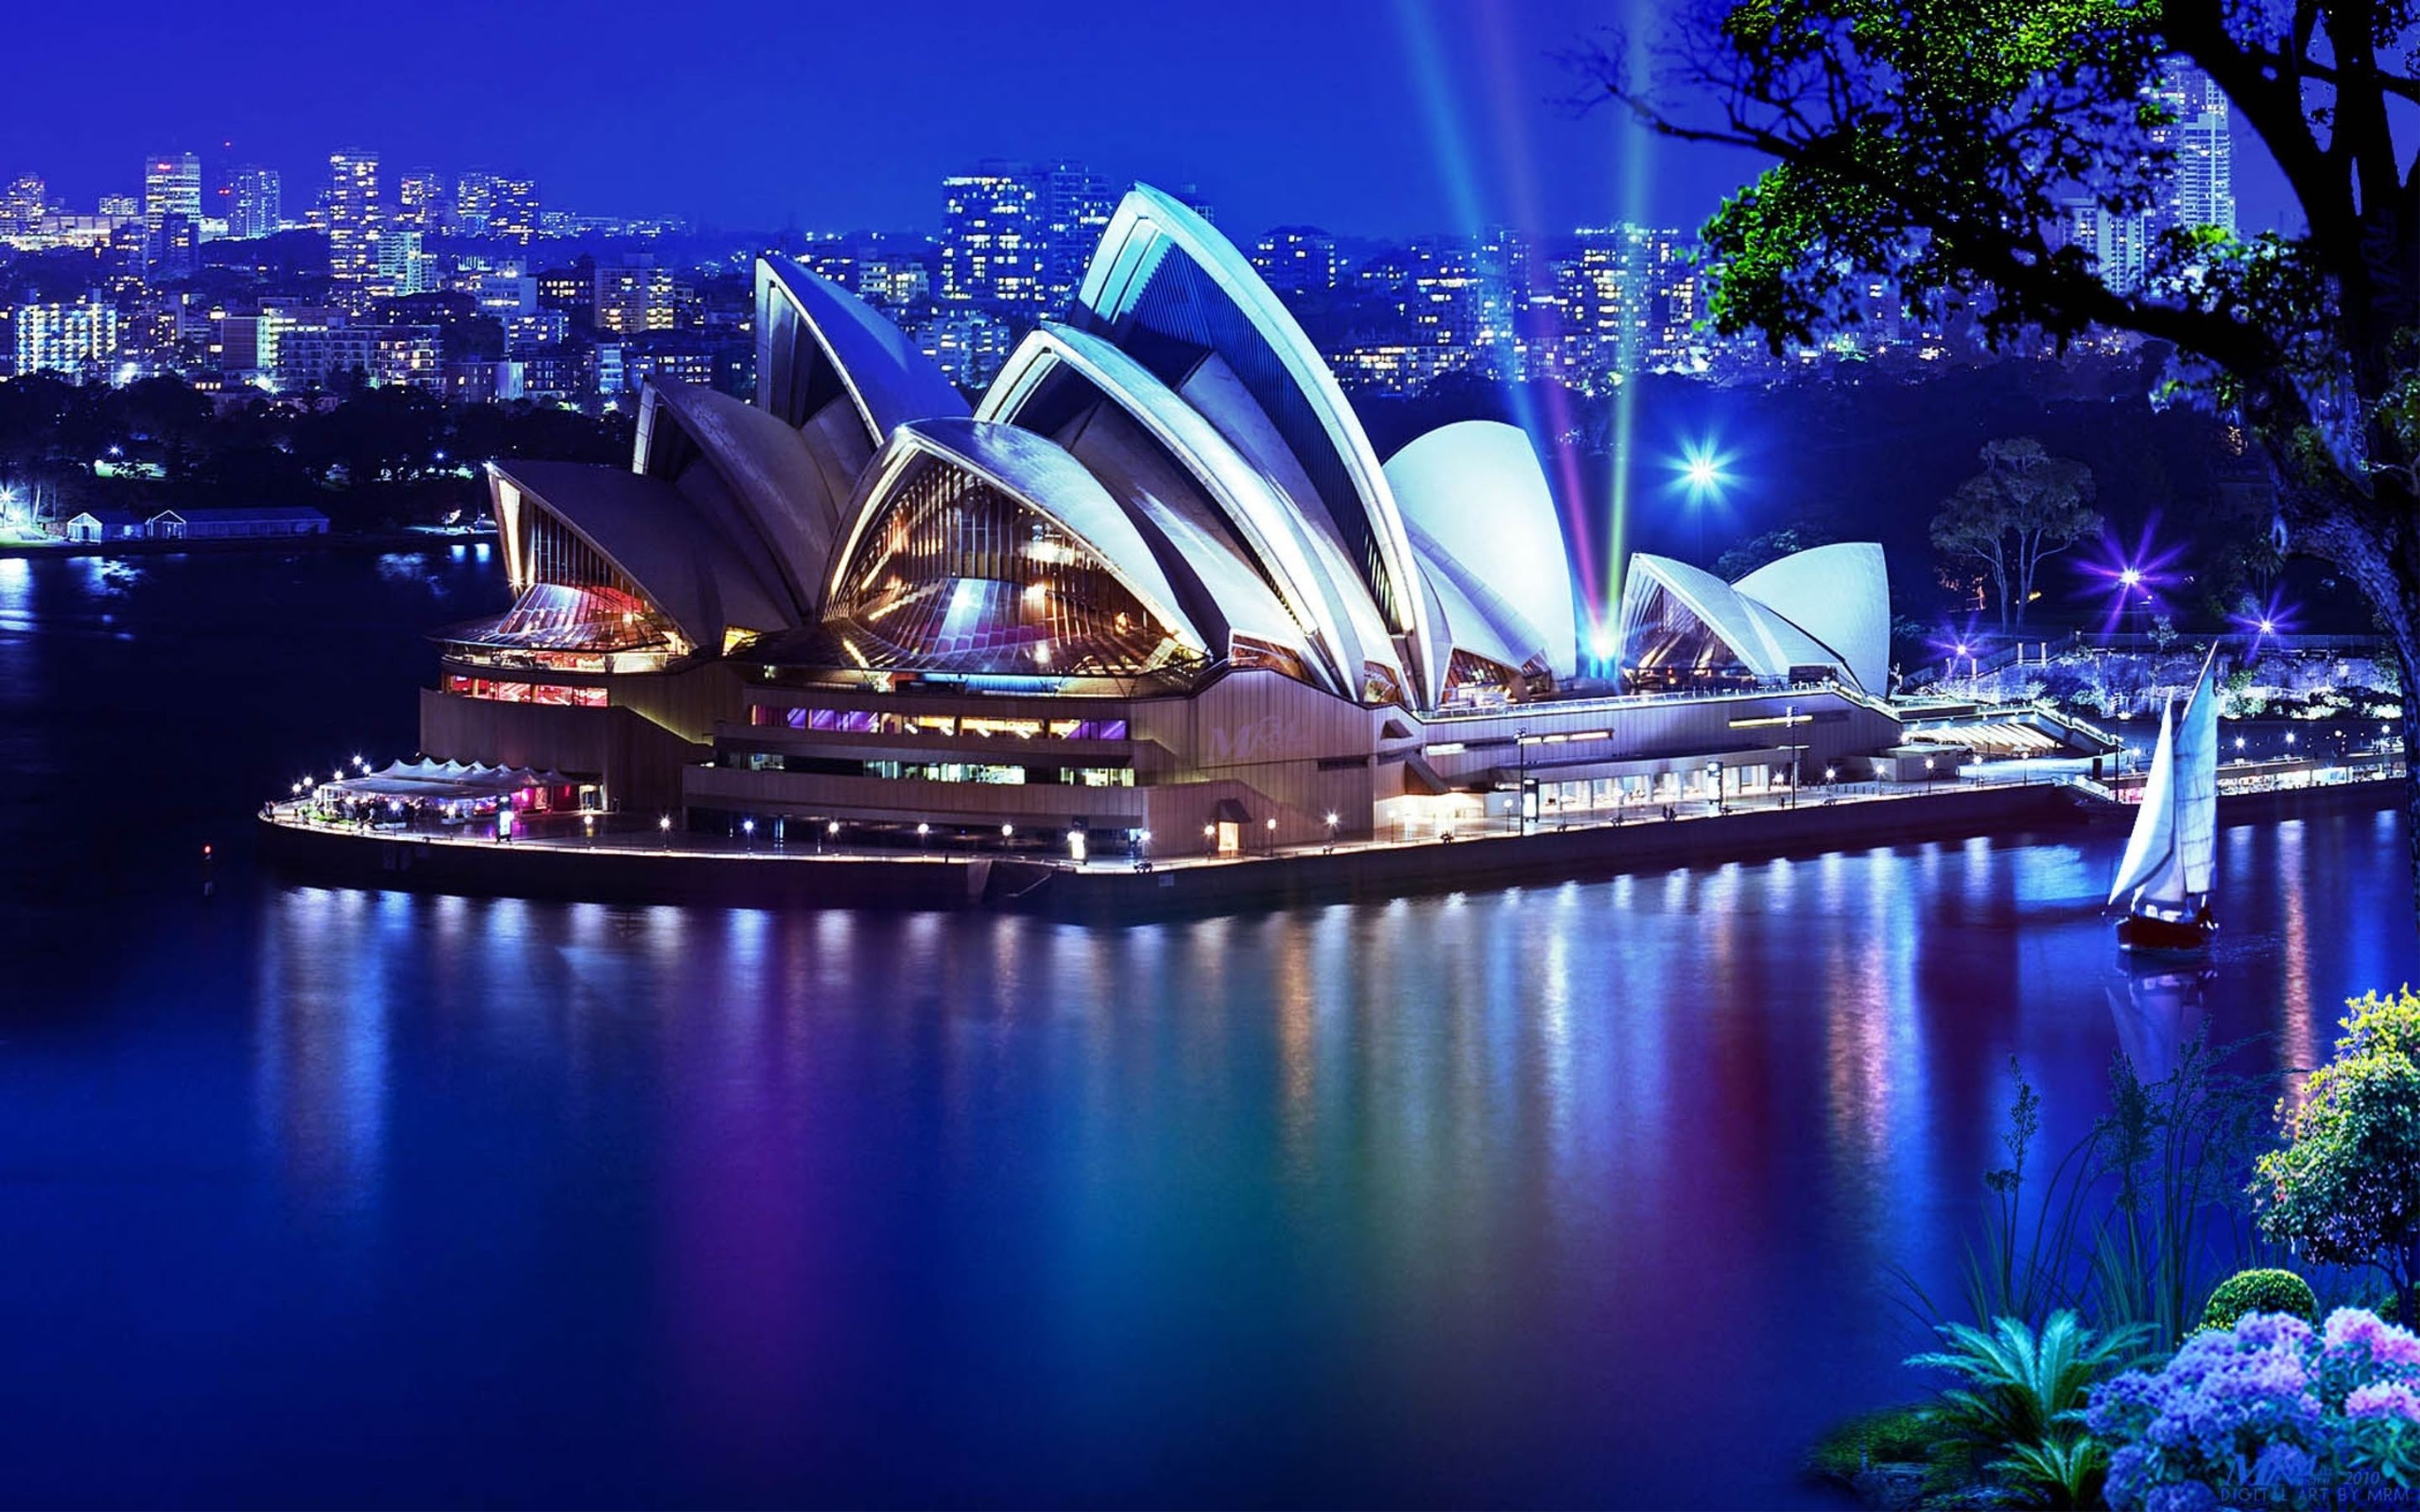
(1367, 116)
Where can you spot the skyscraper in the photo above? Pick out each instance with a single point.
(172, 185)
(402, 267)
(474, 200)
(418, 192)
(260, 206)
(2118, 244)
(22, 205)
(1076, 205)
(512, 208)
(992, 236)
(2202, 193)
(354, 221)
(1297, 259)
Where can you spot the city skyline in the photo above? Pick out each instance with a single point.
(1274, 122)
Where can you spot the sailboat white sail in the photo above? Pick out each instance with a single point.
(2171, 858)
(2152, 848)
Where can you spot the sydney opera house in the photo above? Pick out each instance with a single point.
(1155, 580)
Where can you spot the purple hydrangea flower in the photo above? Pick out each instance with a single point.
(2383, 1399)
(2351, 1329)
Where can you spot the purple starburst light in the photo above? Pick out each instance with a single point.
(2264, 618)
(2130, 579)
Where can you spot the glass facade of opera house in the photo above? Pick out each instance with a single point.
(1156, 580)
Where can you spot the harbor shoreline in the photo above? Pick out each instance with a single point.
(1121, 894)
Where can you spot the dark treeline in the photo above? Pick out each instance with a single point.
(370, 458)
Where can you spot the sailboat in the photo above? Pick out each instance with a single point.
(2171, 858)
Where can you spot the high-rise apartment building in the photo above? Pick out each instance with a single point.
(634, 300)
(173, 251)
(513, 213)
(403, 267)
(474, 199)
(22, 206)
(78, 339)
(893, 281)
(355, 217)
(172, 185)
(328, 354)
(2199, 137)
(1298, 259)
(993, 236)
(258, 206)
(2118, 242)
(1076, 204)
(419, 196)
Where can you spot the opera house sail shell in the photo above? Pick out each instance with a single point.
(1156, 574)
(1826, 610)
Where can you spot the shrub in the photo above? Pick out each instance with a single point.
(2260, 1292)
(2268, 1411)
(2346, 1189)
(1894, 1436)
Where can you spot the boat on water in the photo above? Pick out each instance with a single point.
(2171, 858)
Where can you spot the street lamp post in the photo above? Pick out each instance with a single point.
(1521, 787)
(1332, 833)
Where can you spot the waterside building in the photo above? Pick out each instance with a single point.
(1153, 582)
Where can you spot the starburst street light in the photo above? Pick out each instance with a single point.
(1701, 472)
(1702, 468)
(2131, 578)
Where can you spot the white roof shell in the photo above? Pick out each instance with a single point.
(1478, 506)
(1307, 593)
(769, 471)
(1768, 641)
(1838, 594)
(888, 379)
(1150, 226)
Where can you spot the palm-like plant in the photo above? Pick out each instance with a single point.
(2022, 1385)
(2064, 1471)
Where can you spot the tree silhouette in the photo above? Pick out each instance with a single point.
(2023, 508)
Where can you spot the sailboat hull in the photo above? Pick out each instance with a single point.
(2174, 936)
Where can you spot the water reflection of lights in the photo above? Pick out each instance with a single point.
(2300, 1034)
(320, 1064)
